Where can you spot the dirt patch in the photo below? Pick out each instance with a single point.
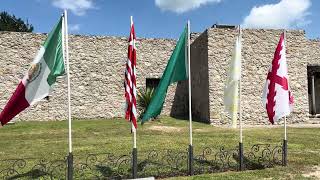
(313, 173)
(202, 130)
(165, 128)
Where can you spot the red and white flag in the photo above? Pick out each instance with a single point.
(130, 80)
(277, 97)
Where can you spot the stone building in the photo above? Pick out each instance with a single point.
(97, 71)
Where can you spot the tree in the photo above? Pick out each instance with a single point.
(11, 23)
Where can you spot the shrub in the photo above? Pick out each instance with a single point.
(144, 99)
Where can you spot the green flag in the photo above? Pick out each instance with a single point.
(176, 70)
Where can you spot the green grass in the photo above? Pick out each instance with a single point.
(49, 140)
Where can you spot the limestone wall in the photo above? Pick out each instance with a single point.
(97, 71)
(199, 76)
(257, 54)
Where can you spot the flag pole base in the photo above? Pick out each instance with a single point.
(134, 163)
(241, 165)
(70, 166)
(190, 160)
(285, 153)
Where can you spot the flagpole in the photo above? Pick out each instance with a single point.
(70, 155)
(285, 142)
(190, 112)
(240, 109)
(240, 90)
(134, 131)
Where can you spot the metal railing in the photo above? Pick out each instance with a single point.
(156, 163)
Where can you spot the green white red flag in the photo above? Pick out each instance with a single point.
(37, 83)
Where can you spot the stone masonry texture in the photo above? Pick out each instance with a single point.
(97, 65)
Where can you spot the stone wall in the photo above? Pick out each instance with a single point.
(199, 77)
(97, 71)
(257, 54)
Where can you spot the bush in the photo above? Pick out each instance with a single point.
(144, 99)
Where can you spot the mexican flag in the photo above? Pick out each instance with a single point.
(176, 70)
(37, 83)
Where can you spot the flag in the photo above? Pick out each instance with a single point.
(130, 80)
(231, 97)
(37, 83)
(175, 71)
(277, 97)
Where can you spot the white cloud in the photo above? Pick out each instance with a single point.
(285, 14)
(181, 6)
(78, 7)
(74, 27)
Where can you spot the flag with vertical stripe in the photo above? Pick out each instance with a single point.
(42, 74)
(130, 80)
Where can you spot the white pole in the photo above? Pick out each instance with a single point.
(285, 128)
(134, 131)
(189, 75)
(134, 136)
(285, 118)
(68, 76)
(240, 88)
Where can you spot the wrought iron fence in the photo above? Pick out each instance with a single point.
(32, 169)
(97, 166)
(163, 163)
(157, 163)
(210, 161)
(262, 156)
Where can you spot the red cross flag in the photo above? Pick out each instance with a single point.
(277, 97)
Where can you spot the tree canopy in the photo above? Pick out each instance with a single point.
(11, 23)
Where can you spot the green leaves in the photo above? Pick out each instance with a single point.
(144, 99)
(11, 23)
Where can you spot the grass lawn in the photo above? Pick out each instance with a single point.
(49, 140)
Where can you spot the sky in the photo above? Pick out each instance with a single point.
(166, 18)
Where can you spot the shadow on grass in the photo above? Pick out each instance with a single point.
(106, 171)
(252, 164)
(33, 174)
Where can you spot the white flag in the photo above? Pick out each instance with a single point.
(231, 96)
(277, 97)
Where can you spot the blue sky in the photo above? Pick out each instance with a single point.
(166, 18)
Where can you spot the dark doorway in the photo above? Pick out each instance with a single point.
(314, 89)
(152, 83)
